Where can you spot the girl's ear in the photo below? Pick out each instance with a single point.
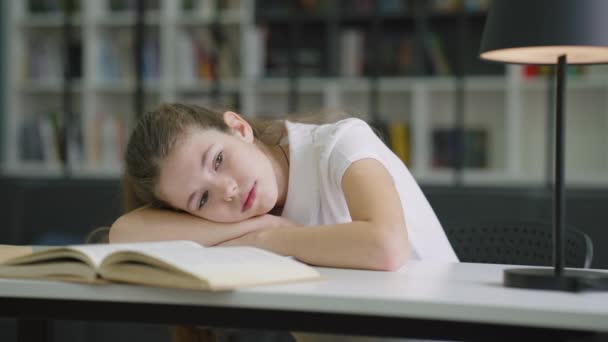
(238, 126)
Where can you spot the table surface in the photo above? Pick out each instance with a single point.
(457, 292)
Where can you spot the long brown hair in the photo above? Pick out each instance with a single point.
(157, 132)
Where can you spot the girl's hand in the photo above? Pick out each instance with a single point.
(255, 238)
(271, 221)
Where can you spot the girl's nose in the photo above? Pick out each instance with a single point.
(230, 190)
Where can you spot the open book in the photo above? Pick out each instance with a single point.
(181, 264)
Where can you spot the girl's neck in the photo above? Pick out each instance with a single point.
(279, 159)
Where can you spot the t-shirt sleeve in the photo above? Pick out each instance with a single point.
(354, 140)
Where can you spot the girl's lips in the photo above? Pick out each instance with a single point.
(250, 198)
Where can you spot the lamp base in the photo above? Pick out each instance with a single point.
(572, 280)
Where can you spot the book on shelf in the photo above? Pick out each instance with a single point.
(52, 6)
(398, 51)
(435, 55)
(451, 6)
(400, 140)
(131, 5)
(174, 264)
(256, 41)
(116, 60)
(44, 60)
(536, 71)
(396, 136)
(34, 132)
(306, 56)
(351, 52)
(41, 138)
(106, 140)
(474, 153)
(394, 57)
(114, 57)
(282, 8)
(206, 54)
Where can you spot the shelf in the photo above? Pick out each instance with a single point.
(510, 108)
(203, 86)
(497, 178)
(33, 169)
(572, 82)
(282, 84)
(232, 17)
(469, 177)
(282, 16)
(390, 84)
(124, 87)
(47, 87)
(471, 83)
(42, 170)
(405, 17)
(50, 20)
(592, 180)
(96, 172)
(450, 15)
(128, 19)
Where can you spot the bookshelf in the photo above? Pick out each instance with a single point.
(103, 83)
(419, 86)
(416, 94)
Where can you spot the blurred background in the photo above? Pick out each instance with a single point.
(477, 136)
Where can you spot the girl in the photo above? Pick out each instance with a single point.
(330, 195)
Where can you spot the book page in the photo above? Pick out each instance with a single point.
(8, 252)
(221, 267)
(98, 252)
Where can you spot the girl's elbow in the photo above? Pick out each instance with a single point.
(393, 259)
(394, 248)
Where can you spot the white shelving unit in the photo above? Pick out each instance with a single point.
(511, 109)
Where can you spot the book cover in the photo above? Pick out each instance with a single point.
(446, 142)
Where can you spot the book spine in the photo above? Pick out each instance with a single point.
(399, 141)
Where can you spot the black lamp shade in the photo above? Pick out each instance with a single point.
(538, 31)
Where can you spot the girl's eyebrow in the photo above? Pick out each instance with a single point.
(191, 198)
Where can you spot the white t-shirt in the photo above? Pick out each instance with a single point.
(319, 157)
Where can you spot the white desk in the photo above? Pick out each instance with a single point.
(425, 299)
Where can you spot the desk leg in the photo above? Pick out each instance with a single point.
(30, 330)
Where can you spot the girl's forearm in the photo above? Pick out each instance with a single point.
(361, 245)
(148, 224)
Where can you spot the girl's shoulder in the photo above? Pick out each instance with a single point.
(349, 122)
(326, 135)
(349, 127)
(326, 126)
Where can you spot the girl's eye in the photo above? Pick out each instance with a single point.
(204, 199)
(218, 160)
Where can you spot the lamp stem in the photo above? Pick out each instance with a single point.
(559, 204)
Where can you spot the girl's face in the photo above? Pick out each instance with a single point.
(219, 176)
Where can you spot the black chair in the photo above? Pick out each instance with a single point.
(517, 243)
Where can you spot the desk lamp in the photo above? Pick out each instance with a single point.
(550, 32)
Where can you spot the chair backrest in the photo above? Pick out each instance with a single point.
(517, 243)
(99, 235)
